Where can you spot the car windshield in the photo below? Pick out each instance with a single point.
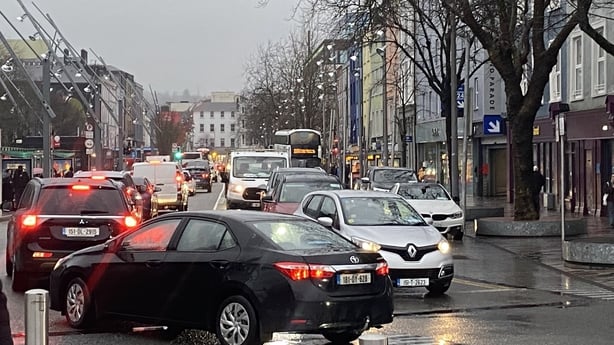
(301, 235)
(394, 175)
(65, 200)
(294, 192)
(196, 165)
(256, 166)
(381, 211)
(417, 192)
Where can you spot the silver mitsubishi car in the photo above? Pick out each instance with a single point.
(417, 254)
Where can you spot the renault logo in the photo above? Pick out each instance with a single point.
(412, 251)
(82, 221)
(354, 259)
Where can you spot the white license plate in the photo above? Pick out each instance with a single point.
(413, 282)
(255, 204)
(80, 232)
(354, 278)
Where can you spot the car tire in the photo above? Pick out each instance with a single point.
(438, 289)
(458, 236)
(78, 304)
(8, 264)
(343, 337)
(19, 280)
(236, 322)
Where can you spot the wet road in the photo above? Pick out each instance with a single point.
(499, 296)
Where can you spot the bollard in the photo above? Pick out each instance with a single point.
(373, 339)
(37, 317)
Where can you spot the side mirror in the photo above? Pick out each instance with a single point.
(267, 198)
(456, 199)
(326, 221)
(365, 180)
(428, 220)
(157, 189)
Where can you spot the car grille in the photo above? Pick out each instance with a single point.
(252, 193)
(402, 252)
(436, 216)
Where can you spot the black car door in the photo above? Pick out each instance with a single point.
(203, 257)
(130, 282)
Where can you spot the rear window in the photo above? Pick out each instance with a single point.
(157, 172)
(295, 191)
(66, 200)
(301, 235)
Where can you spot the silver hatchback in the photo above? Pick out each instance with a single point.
(417, 254)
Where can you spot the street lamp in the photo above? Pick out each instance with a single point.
(382, 52)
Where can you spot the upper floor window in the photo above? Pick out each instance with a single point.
(222, 127)
(202, 114)
(211, 128)
(555, 81)
(211, 114)
(232, 127)
(576, 67)
(202, 127)
(232, 114)
(598, 63)
(232, 142)
(222, 142)
(222, 114)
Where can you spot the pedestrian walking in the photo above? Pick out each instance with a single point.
(7, 190)
(20, 179)
(608, 198)
(537, 182)
(69, 173)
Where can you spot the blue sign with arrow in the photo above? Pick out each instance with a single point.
(493, 124)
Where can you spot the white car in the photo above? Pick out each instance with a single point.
(417, 254)
(433, 201)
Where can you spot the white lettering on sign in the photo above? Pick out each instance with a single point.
(492, 82)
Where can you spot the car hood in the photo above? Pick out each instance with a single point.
(396, 235)
(434, 206)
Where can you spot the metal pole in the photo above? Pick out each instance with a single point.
(384, 109)
(37, 317)
(467, 129)
(561, 133)
(453, 110)
(120, 134)
(48, 154)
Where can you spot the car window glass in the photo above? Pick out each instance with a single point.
(311, 208)
(300, 235)
(153, 237)
(328, 208)
(27, 196)
(64, 200)
(201, 235)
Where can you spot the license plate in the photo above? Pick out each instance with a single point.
(413, 282)
(80, 232)
(354, 278)
(255, 204)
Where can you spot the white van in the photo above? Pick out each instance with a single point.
(169, 177)
(248, 174)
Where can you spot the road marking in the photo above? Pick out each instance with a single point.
(488, 286)
(219, 197)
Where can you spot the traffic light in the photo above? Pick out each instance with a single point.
(178, 155)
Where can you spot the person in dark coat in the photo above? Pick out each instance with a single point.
(6, 337)
(69, 173)
(7, 190)
(537, 182)
(20, 179)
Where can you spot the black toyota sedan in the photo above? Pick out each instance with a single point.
(240, 274)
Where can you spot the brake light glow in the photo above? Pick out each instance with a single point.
(301, 271)
(130, 222)
(382, 268)
(42, 255)
(80, 187)
(205, 175)
(98, 177)
(29, 220)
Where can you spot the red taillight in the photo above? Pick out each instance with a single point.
(130, 222)
(300, 271)
(42, 255)
(29, 220)
(205, 175)
(80, 187)
(382, 268)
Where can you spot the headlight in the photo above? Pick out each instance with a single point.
(366, 244)
(457, 215)
(60, 262)
(443, 246)
(237, 188)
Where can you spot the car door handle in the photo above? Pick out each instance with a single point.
(153, 263)
(220, 264)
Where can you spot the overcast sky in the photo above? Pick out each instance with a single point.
(172, 45)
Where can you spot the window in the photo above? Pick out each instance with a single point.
(201, 235)
(222, 142)
(222, 114)
(598, 63)
(154, 237)
(211, 128)
(232, 142)
(232, 127)
(311, 207)
(202, 114)
(212, 142)
(555, 81)
(232, 114)
(202, 127)
(576, 67)
(222, 127)
(211, 114)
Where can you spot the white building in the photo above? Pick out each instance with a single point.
(216, 122)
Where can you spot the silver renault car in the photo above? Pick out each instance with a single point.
(417, 254)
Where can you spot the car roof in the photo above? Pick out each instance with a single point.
(317, 170)
(348, 193)
(63, 181)
(307, 178)
(107, 173)
(420, 184)
(241, 215)
(392, 168)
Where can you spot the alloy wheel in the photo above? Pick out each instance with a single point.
(234, 323)
(75, 302)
